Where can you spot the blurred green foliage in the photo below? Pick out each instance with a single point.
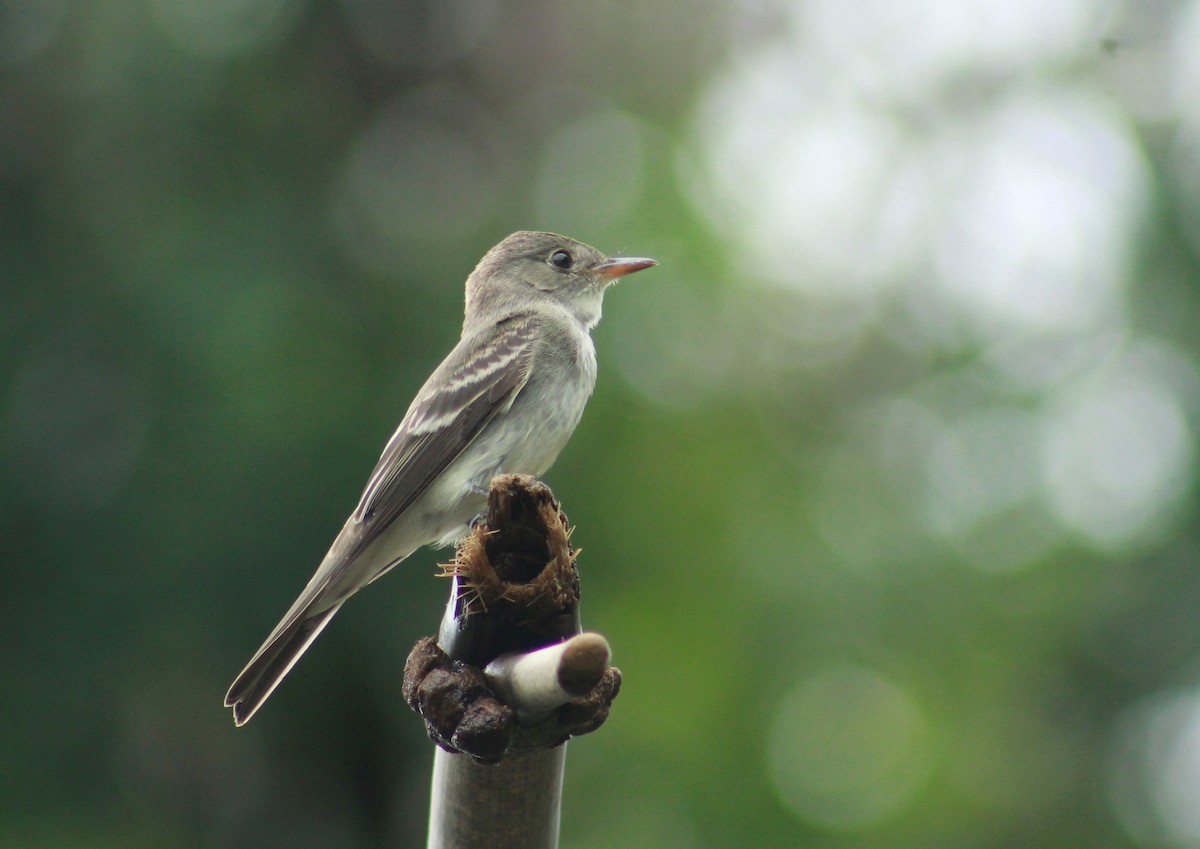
(887, 492)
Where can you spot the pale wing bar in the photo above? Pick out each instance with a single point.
(442, 423)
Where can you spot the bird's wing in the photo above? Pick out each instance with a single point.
(480, 378)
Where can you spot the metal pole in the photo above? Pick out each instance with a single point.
(514, 804)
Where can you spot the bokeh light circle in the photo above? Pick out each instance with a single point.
(847, 748)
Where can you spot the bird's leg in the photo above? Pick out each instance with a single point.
(482, 491)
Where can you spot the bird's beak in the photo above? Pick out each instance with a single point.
(619, 266)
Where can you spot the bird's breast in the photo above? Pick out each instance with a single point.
(547, 410)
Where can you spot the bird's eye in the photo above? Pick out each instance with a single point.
(561, 259)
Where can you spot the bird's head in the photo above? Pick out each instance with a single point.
(546, 266)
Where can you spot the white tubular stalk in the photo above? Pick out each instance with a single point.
(541, 680)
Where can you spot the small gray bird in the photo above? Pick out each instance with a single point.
(506, 399)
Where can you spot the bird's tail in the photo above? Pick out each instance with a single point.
(275, 659)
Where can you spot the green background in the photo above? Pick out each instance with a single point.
(887, 492)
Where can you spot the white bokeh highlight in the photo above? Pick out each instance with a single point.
(1153, 774)
(797, 177)
(905, 50)
(854, 172)
(1038, 231)
(1118, 454)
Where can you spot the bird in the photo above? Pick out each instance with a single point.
(505, 400)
